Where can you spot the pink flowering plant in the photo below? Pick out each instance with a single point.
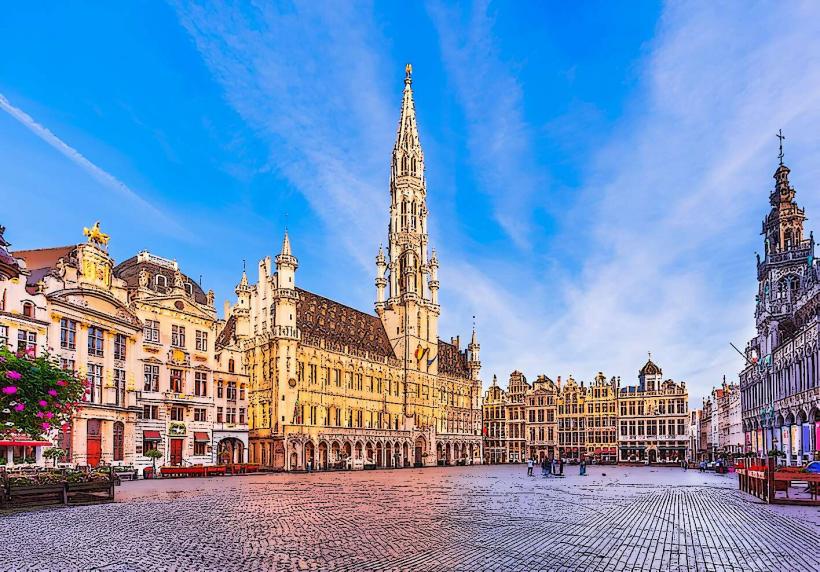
(36, 396)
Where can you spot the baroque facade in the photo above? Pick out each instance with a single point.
(780, 383)
(332, 386)
(142, 334)
(653, 417)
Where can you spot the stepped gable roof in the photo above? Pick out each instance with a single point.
(323, 318)
(452, 361)
(227, 334)
(650, 368)
(129, 270)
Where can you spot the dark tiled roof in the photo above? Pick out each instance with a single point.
(452, 361)
(338, 325)
(227, 334)
(650, 368)
(129, 270)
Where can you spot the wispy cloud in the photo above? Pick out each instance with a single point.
(103, 177)
(499, 137)
(310, 83)
(670, 209)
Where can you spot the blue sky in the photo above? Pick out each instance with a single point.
(597, 173)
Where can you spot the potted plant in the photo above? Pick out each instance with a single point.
(153, 454)
(54, 453)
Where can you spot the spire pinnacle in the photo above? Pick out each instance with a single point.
(408, 74)
(286, 244)
(781, 137)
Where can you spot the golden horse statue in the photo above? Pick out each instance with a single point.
(95, 235)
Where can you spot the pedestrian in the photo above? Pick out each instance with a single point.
(685, 465)
(561, 467)
(544, 467)
(309, 466)
(583, 468)
(529, 466)
(554, 467)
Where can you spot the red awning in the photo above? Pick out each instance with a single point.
(151, 436)
(25, 444)
(199, 436)
(597, 451)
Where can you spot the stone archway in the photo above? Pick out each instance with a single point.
(439, 452)
(368, 452)
(406, 454)
(379, 453)
(448, 454)
(335, 452)
(310, 454)
(358, 450)
(230, 451)
(323, 456)
(421, 449)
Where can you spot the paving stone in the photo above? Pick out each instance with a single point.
(456, 518)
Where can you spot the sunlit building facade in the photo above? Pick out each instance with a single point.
(331, 386)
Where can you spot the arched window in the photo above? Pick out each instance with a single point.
(28, 309)
(119, 441)
(413, 215)
(231, 365)
(403, 215)
(160, 281)
(189, 289)
(404, 165)
(788, 238)
(413, 166)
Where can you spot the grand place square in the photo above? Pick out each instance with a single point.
(248, 321)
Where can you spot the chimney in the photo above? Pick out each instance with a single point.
(226, 310)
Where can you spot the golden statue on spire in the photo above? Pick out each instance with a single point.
(408, 70)
(95, 235)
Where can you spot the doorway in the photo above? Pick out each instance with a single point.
(176, 451)
(93, 445)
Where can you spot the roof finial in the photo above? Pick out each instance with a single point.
(781, 137)
(650, 356)
(408, 74)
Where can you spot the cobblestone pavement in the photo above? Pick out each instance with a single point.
(456, 518)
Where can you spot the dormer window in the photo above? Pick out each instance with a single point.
(189, 289)
(28, 309)
(161, 281)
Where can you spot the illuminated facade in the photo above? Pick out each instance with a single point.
(331, 386)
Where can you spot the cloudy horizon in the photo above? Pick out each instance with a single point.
(596, 178)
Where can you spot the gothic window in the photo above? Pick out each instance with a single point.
(403, 215)
(413, 215)
(788, 238)
(404, 165)
(413, 166)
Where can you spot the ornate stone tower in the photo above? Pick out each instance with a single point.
(286, 334)
(410, 312)
(787, 256)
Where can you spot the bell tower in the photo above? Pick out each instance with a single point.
(409, 309)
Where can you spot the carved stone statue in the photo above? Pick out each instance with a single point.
(179, 281)
(144, 276)
(210, 297)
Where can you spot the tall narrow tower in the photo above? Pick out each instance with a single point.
(410, 312)
(287, 335)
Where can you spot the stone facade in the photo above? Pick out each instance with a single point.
(331, 386)
(143, 335)
(495, 424)
(653, 417)
(780, 384)
(541, 408)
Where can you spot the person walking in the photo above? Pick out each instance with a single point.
(544, 467)
(561, 467)
(583, 468)
(529, 467)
